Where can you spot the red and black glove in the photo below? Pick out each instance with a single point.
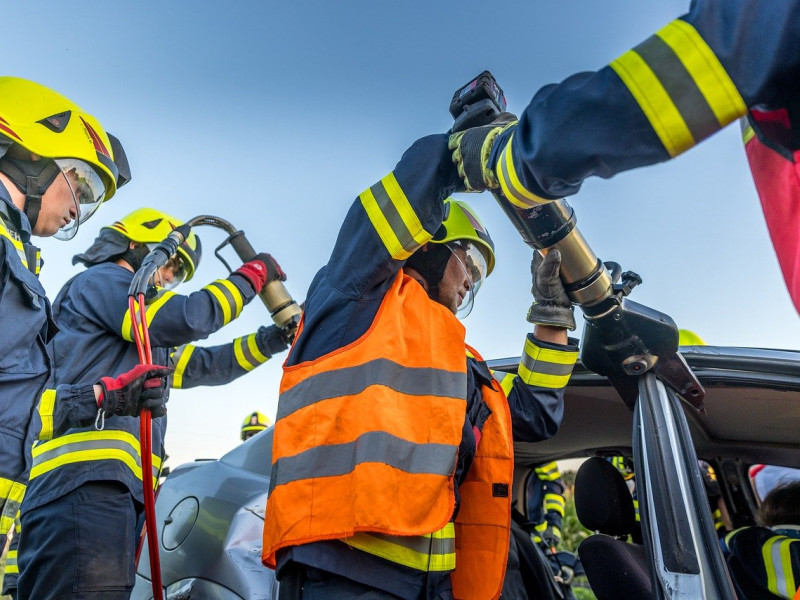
(260, 271)
(141, 387)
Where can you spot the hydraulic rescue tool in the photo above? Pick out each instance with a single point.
(622, 339)
(284, 311)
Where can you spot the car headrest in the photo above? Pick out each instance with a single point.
(602, 500)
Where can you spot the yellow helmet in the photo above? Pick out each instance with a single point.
(689, 338)
(461, 223)
(150, 226)
(45, 123)
(253, 423)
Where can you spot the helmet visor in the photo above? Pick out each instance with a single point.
(172, 274)
(474, 264)
(88, 192)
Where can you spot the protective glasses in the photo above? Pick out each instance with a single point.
(474, 265)
(88, 193)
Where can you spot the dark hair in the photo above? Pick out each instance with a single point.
(781, 506)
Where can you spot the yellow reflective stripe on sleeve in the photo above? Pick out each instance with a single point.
(11, 563)
(150, 312)
(393, 218)
(9, 235)
(228, 297)
(432, 552)
(47, 405)
(506, 380)
(708, 73)
(87, 446)
(11, 495)
(636, 509)
(247, 354)
(680, 85)
(776, 553)
(544, 367)
(548, 472)
(512, 187)
(180, 358)
(554, 502)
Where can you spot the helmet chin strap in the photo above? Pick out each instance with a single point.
(32, 178)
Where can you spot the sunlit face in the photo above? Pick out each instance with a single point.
(456, 282)
(58, 208)
(170, 275)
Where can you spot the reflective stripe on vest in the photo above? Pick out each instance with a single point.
(776, 173)
(11, 495)
(431, 552)
(680, 85)
(777, 556)
(88, 446)
(366, 437)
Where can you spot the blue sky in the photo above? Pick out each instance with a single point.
(275, 116)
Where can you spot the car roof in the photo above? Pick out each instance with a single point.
(752, 410)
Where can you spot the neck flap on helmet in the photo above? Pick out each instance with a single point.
(430, 262)
(32, 178)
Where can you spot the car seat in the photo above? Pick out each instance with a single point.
(616, 569)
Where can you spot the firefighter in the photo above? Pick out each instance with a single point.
(254, 423)
(764, 561)
(392, 448)
(57, 165)
(545, 496)
(719, 62)
(79, 518)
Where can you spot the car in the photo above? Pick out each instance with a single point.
(210, 514)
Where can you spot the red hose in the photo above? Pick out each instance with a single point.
(142, 341)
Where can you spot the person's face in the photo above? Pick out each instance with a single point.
(456, 283)
(170, 275)
(58, 208)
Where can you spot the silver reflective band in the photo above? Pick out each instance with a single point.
(371, 447)
(544, 367)
(414, 381)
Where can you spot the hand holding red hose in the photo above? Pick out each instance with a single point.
(143, 386)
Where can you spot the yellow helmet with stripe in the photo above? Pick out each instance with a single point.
(461, 223)
(689, 338)
(253, 423)
(150, 226)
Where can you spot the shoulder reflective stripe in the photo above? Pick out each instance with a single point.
(506, 380)
(180, 358)
(776, 553)
(680, 86)
(512, 187)
(46, 409)
(554, 502)
(748, 133)
(414, 381)
(11, 562)
(89, 446)
(432, 552)
(18, 246)
(544, 367)
(247, 353)
(374, 446)
(548, 472)
(394, 218)
(151, 309)
(228, 297)
(11, 495)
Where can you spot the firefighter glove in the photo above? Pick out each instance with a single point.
(471, 149)
(551, 536)
(142, 387)
(272, 340)
(261, 270)
(551, 305)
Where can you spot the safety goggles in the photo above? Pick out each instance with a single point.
(88, 193)
(474, 265)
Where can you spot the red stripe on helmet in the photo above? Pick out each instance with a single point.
(8, 130)
(98, 143)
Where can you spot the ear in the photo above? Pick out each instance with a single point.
(133, 245)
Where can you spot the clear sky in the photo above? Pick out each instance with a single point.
(275, 115)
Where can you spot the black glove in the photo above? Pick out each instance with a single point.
(141, 387)
(261, 270)
(551, 305)
(551, 536)
(272, 340)
(471, 149)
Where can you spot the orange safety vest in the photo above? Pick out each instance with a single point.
(366, 440)
(776, 173)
